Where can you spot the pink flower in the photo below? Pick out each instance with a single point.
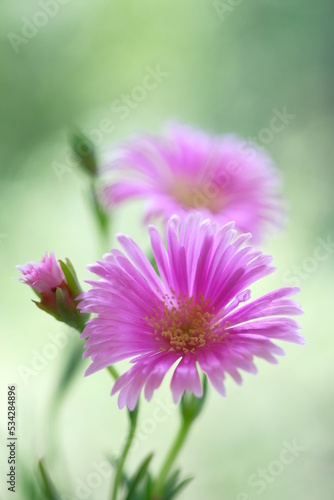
(225, 178)
(43, 276)
(57, 286)
(196, 314)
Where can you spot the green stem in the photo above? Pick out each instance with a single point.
(133, 415)
(113, 372)
(173, 452)
(102, 218)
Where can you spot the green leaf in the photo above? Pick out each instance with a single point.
(46, 309)
(149, 484)
(70, 266)
(28, 484)
(47, 486)
(141, 473)
(179, 488)
(171, 482)
(67, 314)
(114, 463)
(173, 487)
(146, 492)
(71, 278)
(36, 292)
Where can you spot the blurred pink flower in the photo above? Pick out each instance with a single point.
(42, 276)
(196, 313)
(223, 177)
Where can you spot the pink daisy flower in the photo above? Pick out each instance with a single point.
(43, 276)
(197, 314)
(187, 170)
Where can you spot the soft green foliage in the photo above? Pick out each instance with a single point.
(48, 489)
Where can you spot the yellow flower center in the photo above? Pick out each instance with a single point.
(197, 195)
(180, 324)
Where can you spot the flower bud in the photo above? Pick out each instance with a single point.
(85, 152)
(56, 284)
(191, 406)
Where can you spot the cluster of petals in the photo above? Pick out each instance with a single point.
(187, 170)
(196, 314)
(44, 276)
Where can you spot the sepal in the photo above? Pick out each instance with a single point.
(190, 405)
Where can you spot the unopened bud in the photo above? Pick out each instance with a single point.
(85, 152)
(56, 285)
(191, 406)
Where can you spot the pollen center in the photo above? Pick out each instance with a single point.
(193, 195)
(181, 324)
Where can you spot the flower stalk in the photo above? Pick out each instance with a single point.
(133, 416)
(86, 156)
(170, 459)
(190, 408)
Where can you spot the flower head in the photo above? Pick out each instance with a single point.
(187, 170)
(43, 276)
(196, 314)
(57, 286)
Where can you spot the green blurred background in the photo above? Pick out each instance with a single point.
(229, 67)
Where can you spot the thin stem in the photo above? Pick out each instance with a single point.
(102, 218)
(173, 452)
(113, 372)
(133, 415)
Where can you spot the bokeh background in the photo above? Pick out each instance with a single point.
(228, 66)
